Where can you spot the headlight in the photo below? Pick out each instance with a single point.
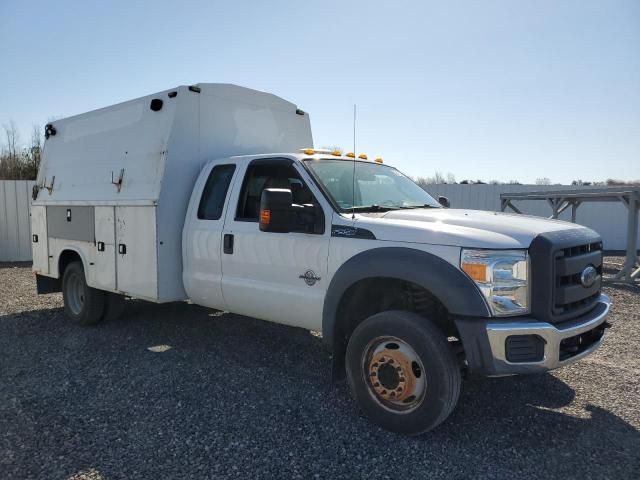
(503, 278)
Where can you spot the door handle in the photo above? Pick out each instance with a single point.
(227, 243)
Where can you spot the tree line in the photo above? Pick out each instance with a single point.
(450, 179)
(17, 160)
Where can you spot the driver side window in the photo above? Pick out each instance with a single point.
(263, 174)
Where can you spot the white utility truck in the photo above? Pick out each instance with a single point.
(213, 193)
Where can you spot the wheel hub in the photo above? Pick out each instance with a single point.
(391, 375)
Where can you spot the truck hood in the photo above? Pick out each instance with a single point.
(463, 228)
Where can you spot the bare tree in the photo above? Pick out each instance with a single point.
(12, 137)
(421, 181)
(34, 153)
(9, 161)
(612, 182)
(438, 178)
(18, 162)
(543, 181)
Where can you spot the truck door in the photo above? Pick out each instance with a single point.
(281, 277)
(202, 271)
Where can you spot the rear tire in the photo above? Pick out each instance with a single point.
(402, 372)
(83, 305)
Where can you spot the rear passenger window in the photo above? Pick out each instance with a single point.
(215, 192)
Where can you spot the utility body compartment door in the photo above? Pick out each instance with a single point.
(105, 254)
(39, 239)
(136, 252)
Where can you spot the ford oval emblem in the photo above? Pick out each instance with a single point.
(588, 276)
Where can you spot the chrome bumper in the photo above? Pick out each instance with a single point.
(486, 343)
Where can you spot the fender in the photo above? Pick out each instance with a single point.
(458, 293)
(52, 282)
(71, 248)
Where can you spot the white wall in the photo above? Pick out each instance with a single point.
(606, 218)
(15, 225)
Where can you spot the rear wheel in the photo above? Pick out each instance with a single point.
(82, 304)
(402, 372)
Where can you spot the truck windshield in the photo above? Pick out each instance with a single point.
(377, 187)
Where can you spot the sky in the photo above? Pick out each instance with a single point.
(504, 90)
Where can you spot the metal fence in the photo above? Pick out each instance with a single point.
(608, 220)
(15, 224)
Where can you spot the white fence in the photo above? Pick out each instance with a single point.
(15, 225)
(608, 219)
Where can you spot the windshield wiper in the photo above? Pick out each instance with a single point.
(412, 207)
(372, 208)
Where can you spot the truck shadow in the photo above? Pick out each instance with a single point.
(265, 388)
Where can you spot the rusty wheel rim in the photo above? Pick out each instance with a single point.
(394, 374)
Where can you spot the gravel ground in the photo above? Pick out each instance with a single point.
(239, 398)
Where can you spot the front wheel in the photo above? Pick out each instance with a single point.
(82, 304)
(402, 372)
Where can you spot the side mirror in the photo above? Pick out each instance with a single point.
(444, 201)
(275, 210)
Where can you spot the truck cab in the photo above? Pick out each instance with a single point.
(212, 193)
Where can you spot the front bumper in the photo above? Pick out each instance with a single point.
(527, 345)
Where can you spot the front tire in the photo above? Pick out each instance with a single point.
(402, 372)
(83, 305)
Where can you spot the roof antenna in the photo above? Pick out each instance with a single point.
(353, 186)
